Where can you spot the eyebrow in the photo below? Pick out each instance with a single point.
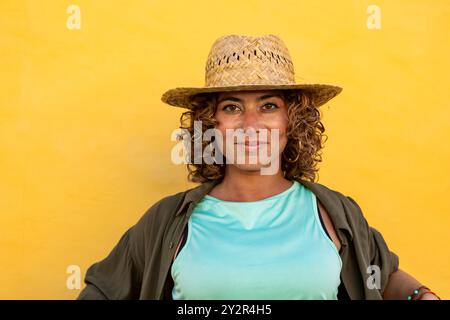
(263, 97)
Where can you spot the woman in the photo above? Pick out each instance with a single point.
(257, 226)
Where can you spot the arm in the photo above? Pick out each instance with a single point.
(401, 285)
(115, 277)
(119, 275)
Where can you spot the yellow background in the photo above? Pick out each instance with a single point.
(85, 140)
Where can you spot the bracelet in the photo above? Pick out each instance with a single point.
(416, 295)
(413, 296)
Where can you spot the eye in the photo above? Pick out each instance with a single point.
(231, 108)
(269, 106)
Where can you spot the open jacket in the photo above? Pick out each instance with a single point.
(138, 267)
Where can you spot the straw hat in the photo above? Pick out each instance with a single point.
(238, 62)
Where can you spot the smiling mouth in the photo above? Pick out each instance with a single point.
(252, 145)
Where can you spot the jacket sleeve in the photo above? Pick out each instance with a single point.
(379, 253)
(119, 275)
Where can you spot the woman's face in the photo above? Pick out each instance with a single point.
(255, 117)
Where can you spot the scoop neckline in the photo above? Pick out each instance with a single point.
(278, 195)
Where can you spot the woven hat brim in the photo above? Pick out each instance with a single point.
(320, 93)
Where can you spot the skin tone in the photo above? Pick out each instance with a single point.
(401, 284)
(251, 110)
(242, 182)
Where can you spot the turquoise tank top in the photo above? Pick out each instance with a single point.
(270, 249)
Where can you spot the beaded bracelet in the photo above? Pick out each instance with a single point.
(416, 292)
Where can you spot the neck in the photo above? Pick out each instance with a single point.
(241, 185)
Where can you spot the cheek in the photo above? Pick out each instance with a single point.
(224, 122)
(222, 127)
(281, 124)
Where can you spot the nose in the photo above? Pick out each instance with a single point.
(251, 120)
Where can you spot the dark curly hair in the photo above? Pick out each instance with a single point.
(305, 134)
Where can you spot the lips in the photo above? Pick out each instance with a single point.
(252, 143)
(251, 146)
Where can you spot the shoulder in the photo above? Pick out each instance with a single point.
(154, 221)
(329, 194)
(165, 208)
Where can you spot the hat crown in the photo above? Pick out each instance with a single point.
(236, 60)
(240, 62)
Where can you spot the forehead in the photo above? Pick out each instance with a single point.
(247, 94)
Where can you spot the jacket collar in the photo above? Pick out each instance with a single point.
(330, 200)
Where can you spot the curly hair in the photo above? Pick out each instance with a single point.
(305, 134)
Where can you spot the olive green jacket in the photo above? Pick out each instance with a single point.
(139, 265)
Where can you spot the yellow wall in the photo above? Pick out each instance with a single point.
(85, 141)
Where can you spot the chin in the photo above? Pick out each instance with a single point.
(247, 167)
